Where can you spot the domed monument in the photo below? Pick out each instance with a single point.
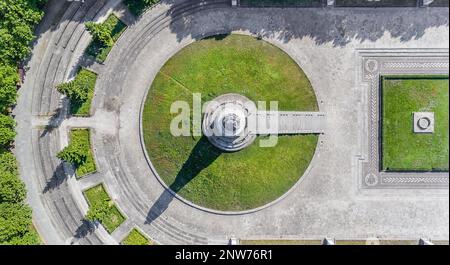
(226, 122)
(232, 122)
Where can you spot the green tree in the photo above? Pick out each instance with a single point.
(17, 21)
(101, 33)
(73, 91)
(28, 238)
(8, 163)
(74, 153)
(98, 211)
(12, 189)
(7, 133)
(78, 89)
(18, 18)
(8, 90)
(15, 224)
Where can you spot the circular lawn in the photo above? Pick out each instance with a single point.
(190, 165)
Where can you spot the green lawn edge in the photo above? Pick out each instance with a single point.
(115, 218)
(83, 108)
(100, 51)
(83, 136)
(261, 79)
(136, 238)
(401, 149)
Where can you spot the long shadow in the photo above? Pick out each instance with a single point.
(58, 13)
(86, 228)
(202, 155)
(58, 178)
(323, 25)
(54, 122)
(336, 26)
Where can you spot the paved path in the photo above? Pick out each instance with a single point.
(291, 122)
(327, 202)
(58, 207)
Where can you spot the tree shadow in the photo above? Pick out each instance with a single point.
(54, 122)
(58, 14)
(58, 178)
(86, 228)
(218, 36)
(336, 26)
(201, 156)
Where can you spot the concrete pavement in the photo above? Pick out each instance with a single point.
(329, 199)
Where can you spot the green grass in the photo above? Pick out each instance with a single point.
(34, 231)
(402, 149)
(195, 169)
(100, 51)
(114, 218)
(135, 237)
(82, 108)
(83, 136)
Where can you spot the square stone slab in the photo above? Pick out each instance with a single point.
(423, 122)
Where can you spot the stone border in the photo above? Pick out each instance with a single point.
(196, 206)
(372, 64)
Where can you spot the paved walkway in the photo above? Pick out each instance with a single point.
(291, 122)
(57, 202)
(327, 202)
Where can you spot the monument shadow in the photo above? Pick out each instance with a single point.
(202, 155)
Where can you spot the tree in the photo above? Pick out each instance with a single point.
(101, 33)
(8, 163)
(7, 133)
(78, 89)
(98, 211)
(18, 18)
(12, 189)
(73, 91)
(28, 238)
(8, 90)
(17, 21)
(15, 224)
(74, 153)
